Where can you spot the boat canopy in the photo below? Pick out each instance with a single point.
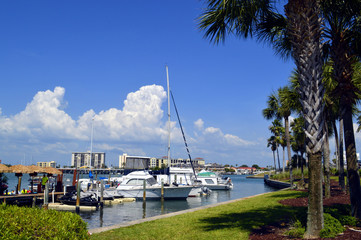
(206, 174)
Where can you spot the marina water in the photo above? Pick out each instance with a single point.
(115, 214)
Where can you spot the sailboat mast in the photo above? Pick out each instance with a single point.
(169, 161)
(91, 144)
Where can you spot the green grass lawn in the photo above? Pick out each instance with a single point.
(230, 221)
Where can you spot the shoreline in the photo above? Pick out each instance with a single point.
(134, 222)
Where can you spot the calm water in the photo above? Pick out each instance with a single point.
(116, 214)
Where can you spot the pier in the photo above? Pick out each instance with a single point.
(94, 171)
(26, 199)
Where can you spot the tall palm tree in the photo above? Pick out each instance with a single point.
(297, 126)
(277, 129)
(289, 100)
(332, 110)
(280, 105)
(344, 19)
(272, 143)
(243, 18)
(304, 29)
(283, 143)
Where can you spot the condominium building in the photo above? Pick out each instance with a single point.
(46, 164)
(82, 159)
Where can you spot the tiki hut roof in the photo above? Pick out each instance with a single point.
(36, 169)
(52, 170)
(4, 168)
(20, 169)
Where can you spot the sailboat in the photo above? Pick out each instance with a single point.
(180, 175)
(135, 183)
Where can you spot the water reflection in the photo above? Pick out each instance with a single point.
(115, 214)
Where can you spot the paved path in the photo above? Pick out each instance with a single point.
(126, 224)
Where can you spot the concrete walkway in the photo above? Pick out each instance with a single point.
(126, 224)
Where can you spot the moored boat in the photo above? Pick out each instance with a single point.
(214, 182)
(86, 199)
(133, 187)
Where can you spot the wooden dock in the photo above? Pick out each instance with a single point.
(24, 199)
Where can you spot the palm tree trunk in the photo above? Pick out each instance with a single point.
(352, 166)
(337, 145)
(304, 25)
(341, 172)
(326, 165)
(302, 163)
(283, 163)
(274, 159)
(279, 164)
(315, 198)
(287, 134)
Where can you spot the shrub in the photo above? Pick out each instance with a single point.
(342, 213)
(297, 174)
(297, 230)
(332, 227)
(35, 223)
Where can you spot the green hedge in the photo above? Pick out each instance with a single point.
(35, 223)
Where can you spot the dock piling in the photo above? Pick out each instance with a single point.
(144, 190)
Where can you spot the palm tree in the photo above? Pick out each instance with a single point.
(243, 18)
(280, 105)
(304, 29)
(271, 142)
(283, 143)
(289, 100)
(277, 129)
(298, 126)
(344, 19)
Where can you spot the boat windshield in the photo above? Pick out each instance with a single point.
(139, 181)
(151, 181)
(209, 181)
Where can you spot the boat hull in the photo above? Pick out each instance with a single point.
(154, 193)
(219, 187)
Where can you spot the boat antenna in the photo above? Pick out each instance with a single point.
(184, 138)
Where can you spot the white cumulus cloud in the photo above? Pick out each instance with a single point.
(44, 129)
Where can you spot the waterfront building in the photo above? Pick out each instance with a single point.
(245, 170)
(46, 164)
(137, 162)
(180, 162)
(82, 159)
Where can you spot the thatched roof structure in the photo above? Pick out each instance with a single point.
(36, 169)
(52, 170)
(32, 169)
(20, 169)
(4, 168)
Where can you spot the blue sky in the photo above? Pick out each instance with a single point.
(64, 62)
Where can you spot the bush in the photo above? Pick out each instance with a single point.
(296, 173)
(34, 223)
(297, 230)
(332, 227)
(342, 213)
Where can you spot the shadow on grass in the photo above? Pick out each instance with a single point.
(289, 194)
(256, 217)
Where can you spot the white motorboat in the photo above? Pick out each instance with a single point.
(133, 187)
(212, 181)
(184, 176)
